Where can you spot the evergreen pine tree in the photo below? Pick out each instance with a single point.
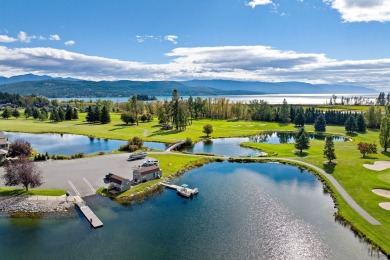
(96, 114)
(299, 133)
(89, 116)
(284, 112)
(384, 135)
(320, 123)
(75, 114)
(329, 151)
(61, 114)
(300, 119)
(350, 124)
(105, 116)
(361, 123)
(68, 113)
(302, 142)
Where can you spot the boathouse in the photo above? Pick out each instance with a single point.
(118, 184)
(144, 174)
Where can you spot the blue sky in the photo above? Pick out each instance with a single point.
(316, 41)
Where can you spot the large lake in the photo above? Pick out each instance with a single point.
(303, 99)
(243, 211)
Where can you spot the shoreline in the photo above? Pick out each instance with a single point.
(34, 206)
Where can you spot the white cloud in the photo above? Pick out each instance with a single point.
(171, 38)
(254, 3)
(54, 37)
(23, 37)
(70, 43)
(257, 63)
(6, 38)
(143, 38)
(362, 10)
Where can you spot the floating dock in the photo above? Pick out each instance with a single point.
(88, 213)
(176, 187)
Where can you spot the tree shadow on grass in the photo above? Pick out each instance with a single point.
(386, 153)
(352, 134)
(13, 192)
(329, 167)
(301, 154)
(167, 132)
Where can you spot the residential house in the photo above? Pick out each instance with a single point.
(118, 184)
(144, 174)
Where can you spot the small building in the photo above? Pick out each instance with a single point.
(4, 146)
(144, 174)
(118, 184)
(3, 154)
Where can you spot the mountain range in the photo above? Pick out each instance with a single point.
(73, 88)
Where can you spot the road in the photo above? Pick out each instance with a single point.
(83, 176)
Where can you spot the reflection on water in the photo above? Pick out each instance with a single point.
(243, 211)
(231, 146)
(286, 137)
(69, 144)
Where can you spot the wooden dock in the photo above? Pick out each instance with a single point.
(176, 187)
(170, 186)
(90, 216)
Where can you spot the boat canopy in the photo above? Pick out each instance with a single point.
(184, 185)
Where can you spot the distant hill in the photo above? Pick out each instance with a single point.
(72, 88)
(279, 87)
(28, 77)
(55, 88)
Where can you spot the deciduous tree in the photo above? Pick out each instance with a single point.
(19, 147)
(366, 148)
(208, 129)
(22, 172)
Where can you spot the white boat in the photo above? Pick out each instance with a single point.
(186, 192)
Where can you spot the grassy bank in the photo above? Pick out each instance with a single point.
(357, 180)
(172, 165)
(8, 191)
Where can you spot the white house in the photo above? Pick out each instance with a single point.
(143, 174)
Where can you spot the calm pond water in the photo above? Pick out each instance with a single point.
(230, 146)
(69, 144)
(243, 211)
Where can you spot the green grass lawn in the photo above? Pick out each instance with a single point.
(118, 130)
(8, 191)
(356, 179)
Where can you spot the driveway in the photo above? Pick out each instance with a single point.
(83, 176)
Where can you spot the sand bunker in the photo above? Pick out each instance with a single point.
(382, 192)
(378, 165)
(385, 205)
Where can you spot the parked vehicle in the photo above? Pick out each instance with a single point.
(137, 156)
(150, 163)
